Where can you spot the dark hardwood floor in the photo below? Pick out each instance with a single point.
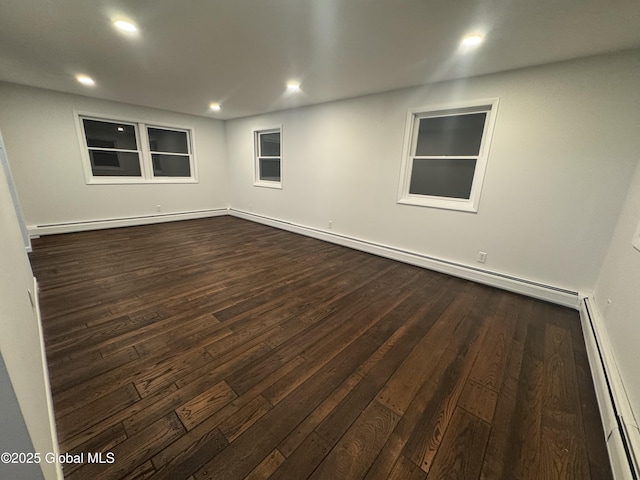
(224, 349)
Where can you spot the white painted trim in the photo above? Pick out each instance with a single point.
(143, 151)
(410, 138)
(47, 384)
(619, 423)
(597, 372)
(530, 288)
(257, 182)
(617, 457)
(4, 165)
(69, 227)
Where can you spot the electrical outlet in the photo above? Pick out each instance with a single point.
(330, 224)
(482, 257)
(158, 208)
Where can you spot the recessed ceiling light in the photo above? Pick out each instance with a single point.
(85, 80)
(215, 107)
(293, 86)
(472, 40)
(125, 26)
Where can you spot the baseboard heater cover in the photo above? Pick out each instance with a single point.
(622, 435)
(550, 293)
(69, 227)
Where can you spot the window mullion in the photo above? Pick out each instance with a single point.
(105, 149)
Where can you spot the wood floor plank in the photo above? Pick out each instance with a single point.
(478, 400)
(266, 468)
(134, 451)
(564, 450)
(206, 404)
(358, 448)
(77, 421)
(399, 391)
(523, 455)
(451, 372)
(223, 349)
(101, 442)
(406, 470)
(210, 424)
(304, 460)
(238, 422)
(188, 460)
(143, 472)
(490, 367)
(84, 438)
(182, 394)
(167, 371)
(363, 393)
(462, 449)
(85, 371)
(504, 420)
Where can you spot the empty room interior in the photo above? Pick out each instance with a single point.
(320, 239)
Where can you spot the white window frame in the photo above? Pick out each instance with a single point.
(257, 181)
(410, 141)
(143, 150)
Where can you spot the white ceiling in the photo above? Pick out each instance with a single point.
(241, 53)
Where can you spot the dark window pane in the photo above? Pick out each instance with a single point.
(109, 135)
(455, 136)
(167, 141)
(270, 144)
(270, 169)
(170, 166)
(442, 178)
(105, 159)
(114, 164)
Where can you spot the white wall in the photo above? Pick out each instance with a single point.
(40, 136)
(564, 148)
(619, 282)
(20, 337)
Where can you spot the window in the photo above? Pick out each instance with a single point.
(118, 151)
(169, 152)
(268, 159)
(445, 155)
(113, 148)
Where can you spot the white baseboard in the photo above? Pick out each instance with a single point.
(70, 227)
(620, 425)
(47, 384)
(548, 293)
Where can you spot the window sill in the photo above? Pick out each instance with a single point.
(140, 181)
(461, 205)
(275, 185)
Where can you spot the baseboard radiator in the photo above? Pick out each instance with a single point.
(620, 427)
(83, 225)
